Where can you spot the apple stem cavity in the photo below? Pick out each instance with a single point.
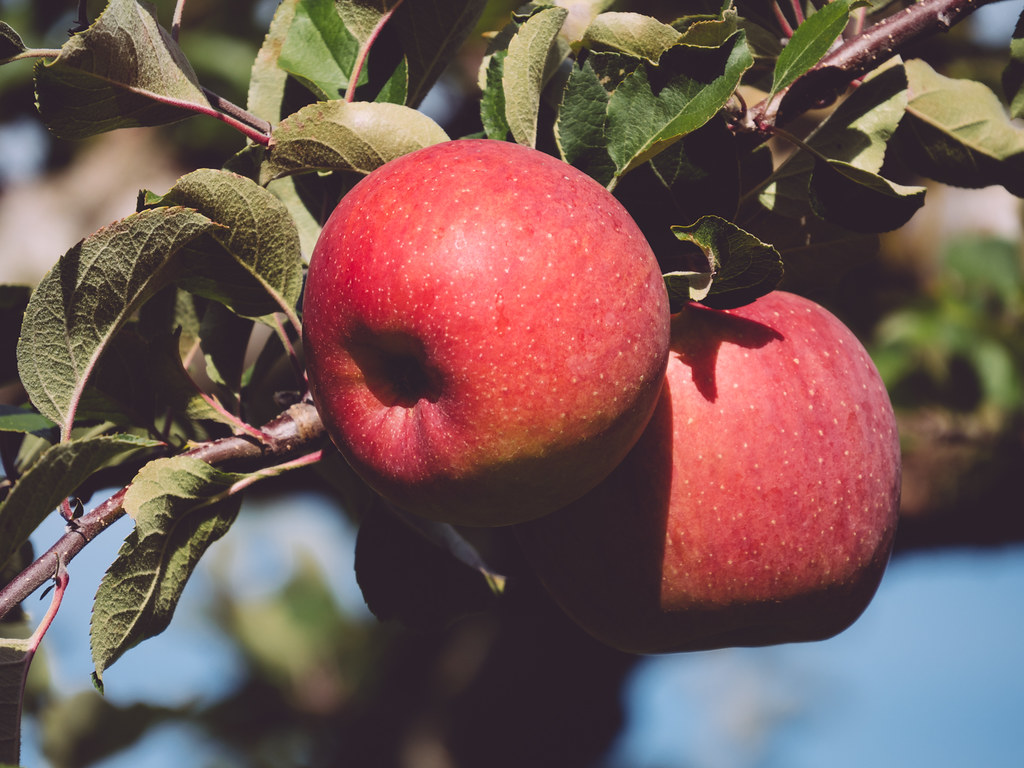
(395, 368)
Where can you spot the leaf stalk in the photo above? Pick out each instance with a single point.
(364, 52)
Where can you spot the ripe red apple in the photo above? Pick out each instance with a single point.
(758, 507)
(486, 331)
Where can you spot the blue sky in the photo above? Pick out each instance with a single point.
(931, 675)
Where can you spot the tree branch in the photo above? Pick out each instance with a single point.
(297, 430)
(853, 59)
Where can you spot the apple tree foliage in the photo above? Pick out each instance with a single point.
(751, 140)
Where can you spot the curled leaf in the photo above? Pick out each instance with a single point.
(684, 287)
(742, 267)
(710, 30)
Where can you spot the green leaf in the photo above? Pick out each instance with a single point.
(15, 657)
(635, 34)
(742, 267)
(430, 34)
(957, 132)
(81, 303)
(119, 390)
(299, 633)
(654, 106)
(16, 419)
(612, 68)
(396, 88)
(492, 100)
(811, 41)
(419, 573)
(997, 368)
(533, 56)
(579, 129)
(988, 268)
(857, 133)
(54, 477)
(267, 78)
(266, 99)
(335, 136)
(11, 43)
(319, 50)
(171, 311)
(225, 339)
(1013, 75)
(860, 200)
(125, 70)
(364, 20)
(764, 42)
(80, 727)
(258, 242)
(180, 505)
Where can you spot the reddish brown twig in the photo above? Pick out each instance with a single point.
(296, 431)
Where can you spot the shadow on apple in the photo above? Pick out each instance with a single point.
(759, 505)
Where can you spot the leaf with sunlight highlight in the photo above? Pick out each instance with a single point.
(335, 136)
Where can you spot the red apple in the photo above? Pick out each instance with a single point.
(486, 331)
(758, 507)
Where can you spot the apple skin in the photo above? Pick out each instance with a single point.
(486, 332)
(759, 506)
